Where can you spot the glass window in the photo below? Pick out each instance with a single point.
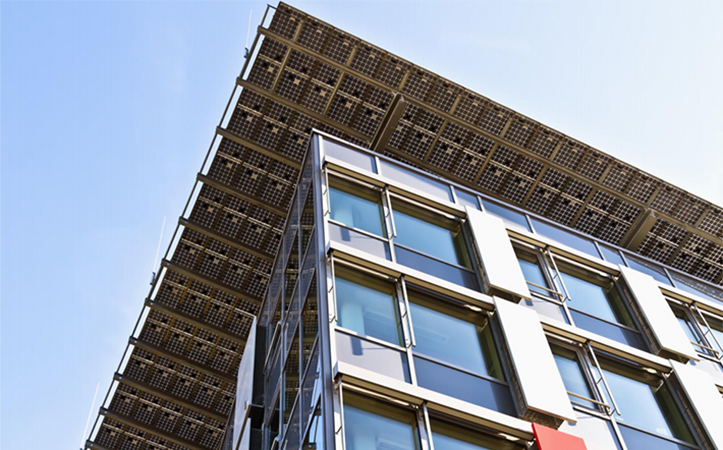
(434, 236)
(596, 305)
(507, 215)
(416, 180)
(696, 288)
(594, 294)
(369, 355)
(447, 436)
(573, 377)
(466, 199)
(648, 268)
(357, 208)
(455, 337)
(565, 237)
(533, 272)
(350, 155)
(611, 255)
(373, 425)
(646, 402)
(367, 305)
(372, 245)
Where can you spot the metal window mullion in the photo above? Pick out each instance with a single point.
(427, 426)
(340, 436)
(591, 350)
(618, 434)
(708, 332)
(331, 291)
(558, 274)
(407, 311)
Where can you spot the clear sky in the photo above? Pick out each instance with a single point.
(108, 108)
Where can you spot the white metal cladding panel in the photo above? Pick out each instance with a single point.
(245, 384)
(499, 262)
(540, 381)
(657, 313)
(705, 398)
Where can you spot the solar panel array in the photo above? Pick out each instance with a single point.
(177, 388)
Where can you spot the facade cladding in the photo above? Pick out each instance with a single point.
(376, 258)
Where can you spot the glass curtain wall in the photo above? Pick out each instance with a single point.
(637, 407)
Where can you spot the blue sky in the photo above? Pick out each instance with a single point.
(108, 108)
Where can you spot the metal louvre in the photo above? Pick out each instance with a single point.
(307, 75)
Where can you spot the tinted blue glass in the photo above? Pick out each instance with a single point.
(350, 155)
(637, 440)
(507, 215)
(453, 340)
(439, 269)
(696, 288)
(372, 356)
(416, 180)
(370, 426)
(608, 330)
(647, 407)
(466, 199)
(648, 268)
(427, 237)
(533, 273)
(611, 255)
(361, 241)
(589, 297)
(368, 310)
(572, 376)
(565, 237)
(449, 436)
(355, 211)
(464, 386)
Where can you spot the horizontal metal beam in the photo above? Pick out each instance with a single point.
(231, 136)
(545, 161)
(236, 193)
(209, 281)
(195, 321)
(204, 368)
(148, 429)
(165, 395)
(225, 239)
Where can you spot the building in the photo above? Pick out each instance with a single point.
(376, 258)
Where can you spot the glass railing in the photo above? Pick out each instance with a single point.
(441, 189)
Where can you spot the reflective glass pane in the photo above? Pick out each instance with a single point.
(447, 436)
(460, 342)
(372, 356)
(416, 180)
(595, 295)
(350, 155)
(572, 375)
(637, 440)
(648, 268)
(507, 215)
(367, 305)
(716, 328)
(533, 273)
(647, 405)
(696, 288)
(565, 237)
(547, 308)
(357, 211)
(609, 330)
(465, 198)
(435, 240)
(464, 386)
(453, 274)
(363, 242)
(611, 255)
(372, 425)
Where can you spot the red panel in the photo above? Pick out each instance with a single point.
(550, 439)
